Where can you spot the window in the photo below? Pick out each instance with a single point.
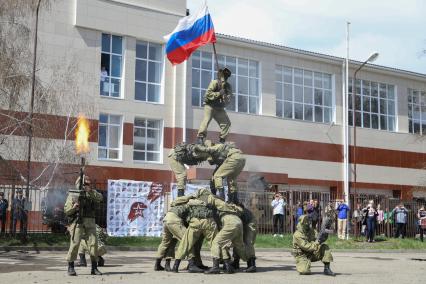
(374, 105)
(109, 140)
(244, 80)
(303, 94)
(111, 65)
(417, 111)
(147, 141)
(148, 71)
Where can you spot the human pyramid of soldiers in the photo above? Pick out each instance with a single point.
(203, 215)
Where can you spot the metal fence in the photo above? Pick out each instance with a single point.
(46, 212)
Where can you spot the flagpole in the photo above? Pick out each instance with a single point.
(215, 57)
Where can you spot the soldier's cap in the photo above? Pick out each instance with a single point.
(225, 71)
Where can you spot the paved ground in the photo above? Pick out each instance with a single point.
(273, 267)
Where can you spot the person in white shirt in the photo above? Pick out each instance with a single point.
(278, 205)
(104, 75)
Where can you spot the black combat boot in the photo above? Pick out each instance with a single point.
(221, 192)
(236, 263)
(82, 261)
(157, 266)
(229, 269)
(215, 269)
(101, 261)
(327, 270)
(71, 271)
(200, 140)
(192, 268)
(181, 192)
(175, 268)
(251, 265)
(167, 265)
(95, 270)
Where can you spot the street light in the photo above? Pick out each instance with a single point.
(372, 58)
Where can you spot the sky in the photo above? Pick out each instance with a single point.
(394, 28)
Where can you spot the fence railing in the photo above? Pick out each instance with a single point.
(46, 209)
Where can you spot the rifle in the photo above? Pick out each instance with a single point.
(81, 195)
(326, 226)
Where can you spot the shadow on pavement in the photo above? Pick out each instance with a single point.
(122, 272)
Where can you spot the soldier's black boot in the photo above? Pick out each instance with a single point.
(229, 269)
(82, 261)
(192, 268)
(215, 269)
(101, 261)
(95, 270)
(236, 263)
(221, 192)
(157, 266)
(71, 270)
(175, 268)
(200, 140)
(251, 265)
(327, 270)
(167, 265)
(181, 192)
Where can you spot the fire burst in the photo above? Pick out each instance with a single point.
(82, 135)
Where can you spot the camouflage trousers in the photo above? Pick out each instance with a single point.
(231, 235)
(180, 172)
(197, 230)
(230, 169)
(173, 231)
(83, 232)
(220, 116)
(249, 238)
(303, 261)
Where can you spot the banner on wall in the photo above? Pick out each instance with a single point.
(135, 208)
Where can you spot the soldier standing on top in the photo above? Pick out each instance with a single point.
(81, 209)
(217, 97)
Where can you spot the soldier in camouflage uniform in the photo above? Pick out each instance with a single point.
(84, 204)
(307, 249)
(249, 237)
(101, 236)
(217, 97)
(230, 162)
(181, 155)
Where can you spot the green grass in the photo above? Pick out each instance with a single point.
(262, 241)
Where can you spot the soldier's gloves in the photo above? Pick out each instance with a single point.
(222, 92)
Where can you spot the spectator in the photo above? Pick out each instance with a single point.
(314, 213)
(421, 214)
(380, 215)
(342, 217)
(104, 75)
(401, 215)
(19, 213)
(357, 219)
(371, 218)
(278, 205)
(3, 208)
(299, 211)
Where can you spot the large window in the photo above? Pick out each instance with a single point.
(111, 65)
(374, 105)
(110, 136)
(244, 80)
(148, 69)
(147, 141)
(303, 94)
(417, 111)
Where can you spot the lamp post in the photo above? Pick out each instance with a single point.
(372, 58)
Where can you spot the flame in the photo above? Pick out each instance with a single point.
(82, 135)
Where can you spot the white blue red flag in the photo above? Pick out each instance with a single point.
(191, 32)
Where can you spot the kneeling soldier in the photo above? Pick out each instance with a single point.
(307, 249)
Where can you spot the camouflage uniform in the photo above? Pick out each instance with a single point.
(249, 237)
(86, 230)
(217, 96)
(181, 155)
(230, 161)
(306, 249)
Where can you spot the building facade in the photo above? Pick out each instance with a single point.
(287, 114)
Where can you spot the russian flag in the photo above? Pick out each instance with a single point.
(191, 32)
